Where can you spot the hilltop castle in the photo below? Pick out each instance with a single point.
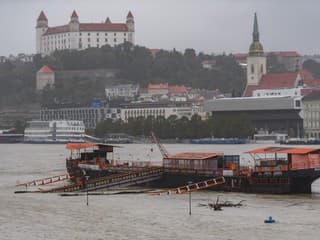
(78, 36)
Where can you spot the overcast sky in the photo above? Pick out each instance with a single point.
(211, 26)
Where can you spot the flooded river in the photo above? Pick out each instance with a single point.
(141, 216)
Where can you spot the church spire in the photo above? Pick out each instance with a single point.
(255, 33)
(256, 48)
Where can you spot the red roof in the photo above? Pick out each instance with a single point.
(42, 17)
(115, 27)
(129, 15)
(154, 51)
(158, 86)
(285, 53)
(178, 89)
(286, 150)
(87, 27)
(45, 69)
(273, 81)
(57, 29)
(193, 155)
(74, 14)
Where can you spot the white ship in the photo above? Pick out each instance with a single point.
(54, 131)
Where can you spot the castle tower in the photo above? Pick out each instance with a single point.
(256, 60)
(74, 27)
(130, 26)
(41, 28)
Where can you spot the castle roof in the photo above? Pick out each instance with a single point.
(45, 69)
(42, 17)
(108, 20)
(74, 14)
(129, 15)
(87, 27)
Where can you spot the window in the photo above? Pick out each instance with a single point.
(97, 39)
(97, 34)
(88, 34)
(124, 39)
(115, 40)
(88, 39)
(80, 34)
(124, 34)
(89, 45)
(298, 103)
(106, 34)
(106, 40)
(252, 69)
(115, 34)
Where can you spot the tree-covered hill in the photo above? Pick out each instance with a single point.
(135, 64)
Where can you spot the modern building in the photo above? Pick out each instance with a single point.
(158, 109)
(89, 115)
(77, 35)
(272, 114)
(126, 91)
(45, 78)
(311, 115)
(54, 131)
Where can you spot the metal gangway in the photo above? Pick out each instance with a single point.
(114, 180)
(45, 181)
(192, 187)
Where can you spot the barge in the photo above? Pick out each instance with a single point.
(275, 170)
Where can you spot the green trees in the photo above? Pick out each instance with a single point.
(183, 128)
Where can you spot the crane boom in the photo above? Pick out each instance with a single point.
(162, 149)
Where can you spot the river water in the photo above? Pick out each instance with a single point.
(142, 216)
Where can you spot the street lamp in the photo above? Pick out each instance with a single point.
(189, 183)
(87, 178)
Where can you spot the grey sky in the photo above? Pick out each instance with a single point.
(212, 26)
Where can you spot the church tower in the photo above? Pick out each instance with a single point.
(256, 60)
(130, 26)
(41, 28)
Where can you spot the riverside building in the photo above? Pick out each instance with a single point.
(78, 36)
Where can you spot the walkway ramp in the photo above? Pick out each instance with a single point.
(192, 187)
(115, 180)
(45, 181)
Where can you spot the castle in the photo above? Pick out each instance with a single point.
(78, 36)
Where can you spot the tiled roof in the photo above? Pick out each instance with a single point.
(74, 14)
(42, 16)
(193, 156)
(285, 53)
(129, 15)
(278, 80)
(249, 90)
(115, 27)
(108, 20)
(88, 27)
(45, 69)
(57, 29)
(178, 89)
(158, 86)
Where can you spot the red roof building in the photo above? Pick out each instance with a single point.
(283, 81)
(45, 69)
(178, 89)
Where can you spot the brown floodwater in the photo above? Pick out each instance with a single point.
(142, 216)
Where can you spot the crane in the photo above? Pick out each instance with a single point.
(162, 149)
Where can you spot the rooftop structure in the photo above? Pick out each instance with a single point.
(45, 78)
